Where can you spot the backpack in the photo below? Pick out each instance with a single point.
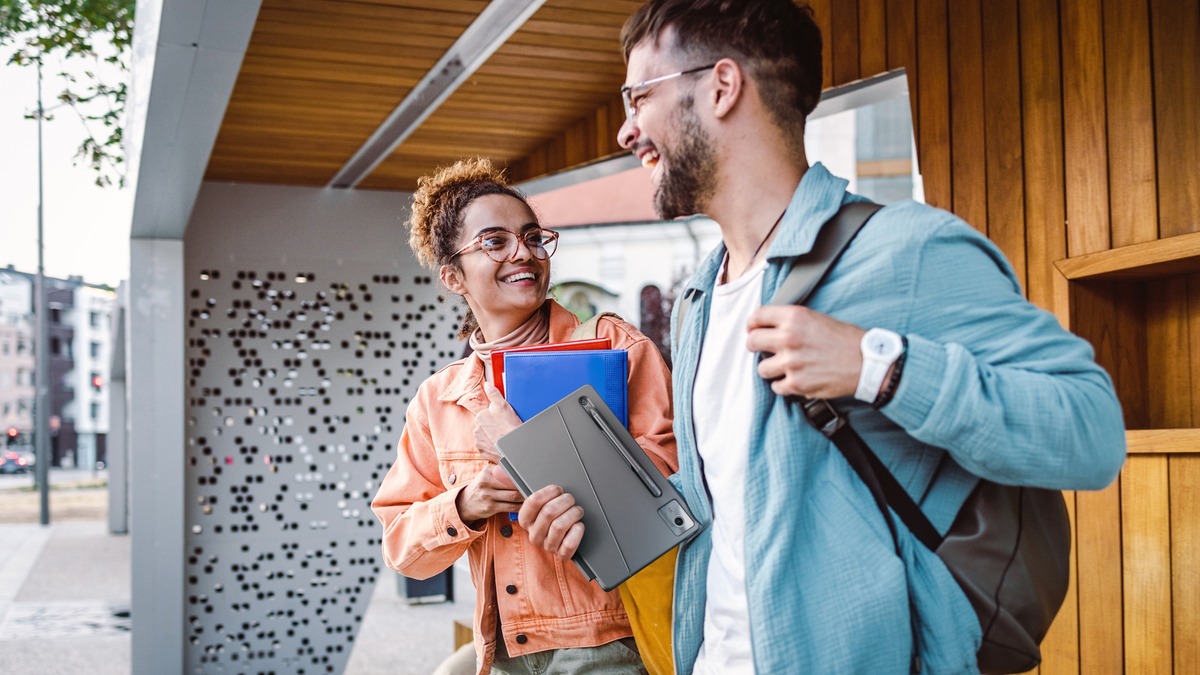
(1009, 546)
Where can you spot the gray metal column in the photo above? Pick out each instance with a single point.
(118, 421)
(156, 406)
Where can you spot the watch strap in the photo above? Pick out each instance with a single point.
(870, 380)
(893, 383)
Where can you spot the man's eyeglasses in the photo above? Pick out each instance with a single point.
(631, 104)
(501, 245)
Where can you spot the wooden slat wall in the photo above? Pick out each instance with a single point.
(969, 193)
(1060, 128)
(1175, 49)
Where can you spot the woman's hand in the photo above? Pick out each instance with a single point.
(490, 493)
(493, 422)
(553, 521)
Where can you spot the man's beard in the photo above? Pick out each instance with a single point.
(691, 174)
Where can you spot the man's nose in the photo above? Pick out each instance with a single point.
(628, 134)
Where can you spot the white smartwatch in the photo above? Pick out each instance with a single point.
(880, 349)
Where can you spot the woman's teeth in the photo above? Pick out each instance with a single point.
(519, 276)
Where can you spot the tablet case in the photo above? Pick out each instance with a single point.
(537, 380)
(497, 355)
(631, 514)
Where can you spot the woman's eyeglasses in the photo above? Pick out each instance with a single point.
(501, 245)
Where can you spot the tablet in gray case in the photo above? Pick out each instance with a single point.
(631, 514)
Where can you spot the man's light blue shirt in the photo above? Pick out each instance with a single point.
(992, 387)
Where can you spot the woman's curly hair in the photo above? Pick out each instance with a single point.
(440, 200)
(437, 208)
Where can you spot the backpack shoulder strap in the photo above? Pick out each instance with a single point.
(587, 329)
(810, 269)
(806, 274)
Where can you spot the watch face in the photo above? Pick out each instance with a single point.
(882, 344)
(879, 345)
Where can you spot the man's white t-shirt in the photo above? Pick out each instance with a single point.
(722, 405)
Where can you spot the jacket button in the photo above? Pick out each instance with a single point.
(522, 639)
(512, 590)
(506, 530)
(452, 531)
(453, 477)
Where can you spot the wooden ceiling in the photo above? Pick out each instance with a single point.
(320, 76)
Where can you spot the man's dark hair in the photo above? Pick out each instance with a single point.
(777, 42)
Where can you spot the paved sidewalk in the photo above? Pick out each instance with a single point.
(64, 604)
(64, 608)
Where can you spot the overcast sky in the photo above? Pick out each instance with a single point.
(85, 228)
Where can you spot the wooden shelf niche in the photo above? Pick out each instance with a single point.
(1139, 306)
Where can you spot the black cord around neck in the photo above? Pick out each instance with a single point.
(771, 231)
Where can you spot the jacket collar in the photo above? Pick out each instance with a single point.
(816, 199)
(466, 387)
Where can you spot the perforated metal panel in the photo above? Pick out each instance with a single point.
(297, 384)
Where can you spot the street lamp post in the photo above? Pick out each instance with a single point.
(42, 376)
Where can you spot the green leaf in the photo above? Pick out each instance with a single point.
(31, 30)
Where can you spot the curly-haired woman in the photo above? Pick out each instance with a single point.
(445, 494)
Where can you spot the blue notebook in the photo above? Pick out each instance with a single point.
(535, 381)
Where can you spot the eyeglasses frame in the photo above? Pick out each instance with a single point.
(627, 90)
(478, 241)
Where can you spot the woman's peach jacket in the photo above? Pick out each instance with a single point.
(543, 602)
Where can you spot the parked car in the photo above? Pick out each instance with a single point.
(16, 461)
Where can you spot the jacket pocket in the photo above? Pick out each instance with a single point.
(457, 471)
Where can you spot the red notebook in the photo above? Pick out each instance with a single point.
(498, 354)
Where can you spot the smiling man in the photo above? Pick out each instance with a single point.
(919, 334)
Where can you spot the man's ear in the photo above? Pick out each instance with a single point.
(451, 278)
(728, 86)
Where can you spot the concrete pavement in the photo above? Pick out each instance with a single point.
(64, 608)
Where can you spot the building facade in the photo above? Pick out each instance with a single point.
(79, 339)
(16, 361)
(92, 348)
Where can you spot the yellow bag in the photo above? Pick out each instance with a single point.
(649, 596)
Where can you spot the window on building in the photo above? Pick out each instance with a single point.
(94, 319)
(55, 346)
(55, 315)
(94, 349)
(4, 347)
(863, 132)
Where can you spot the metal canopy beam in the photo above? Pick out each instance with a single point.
(483, 37)
(186, 55)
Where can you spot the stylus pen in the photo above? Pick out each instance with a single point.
(637, 468)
